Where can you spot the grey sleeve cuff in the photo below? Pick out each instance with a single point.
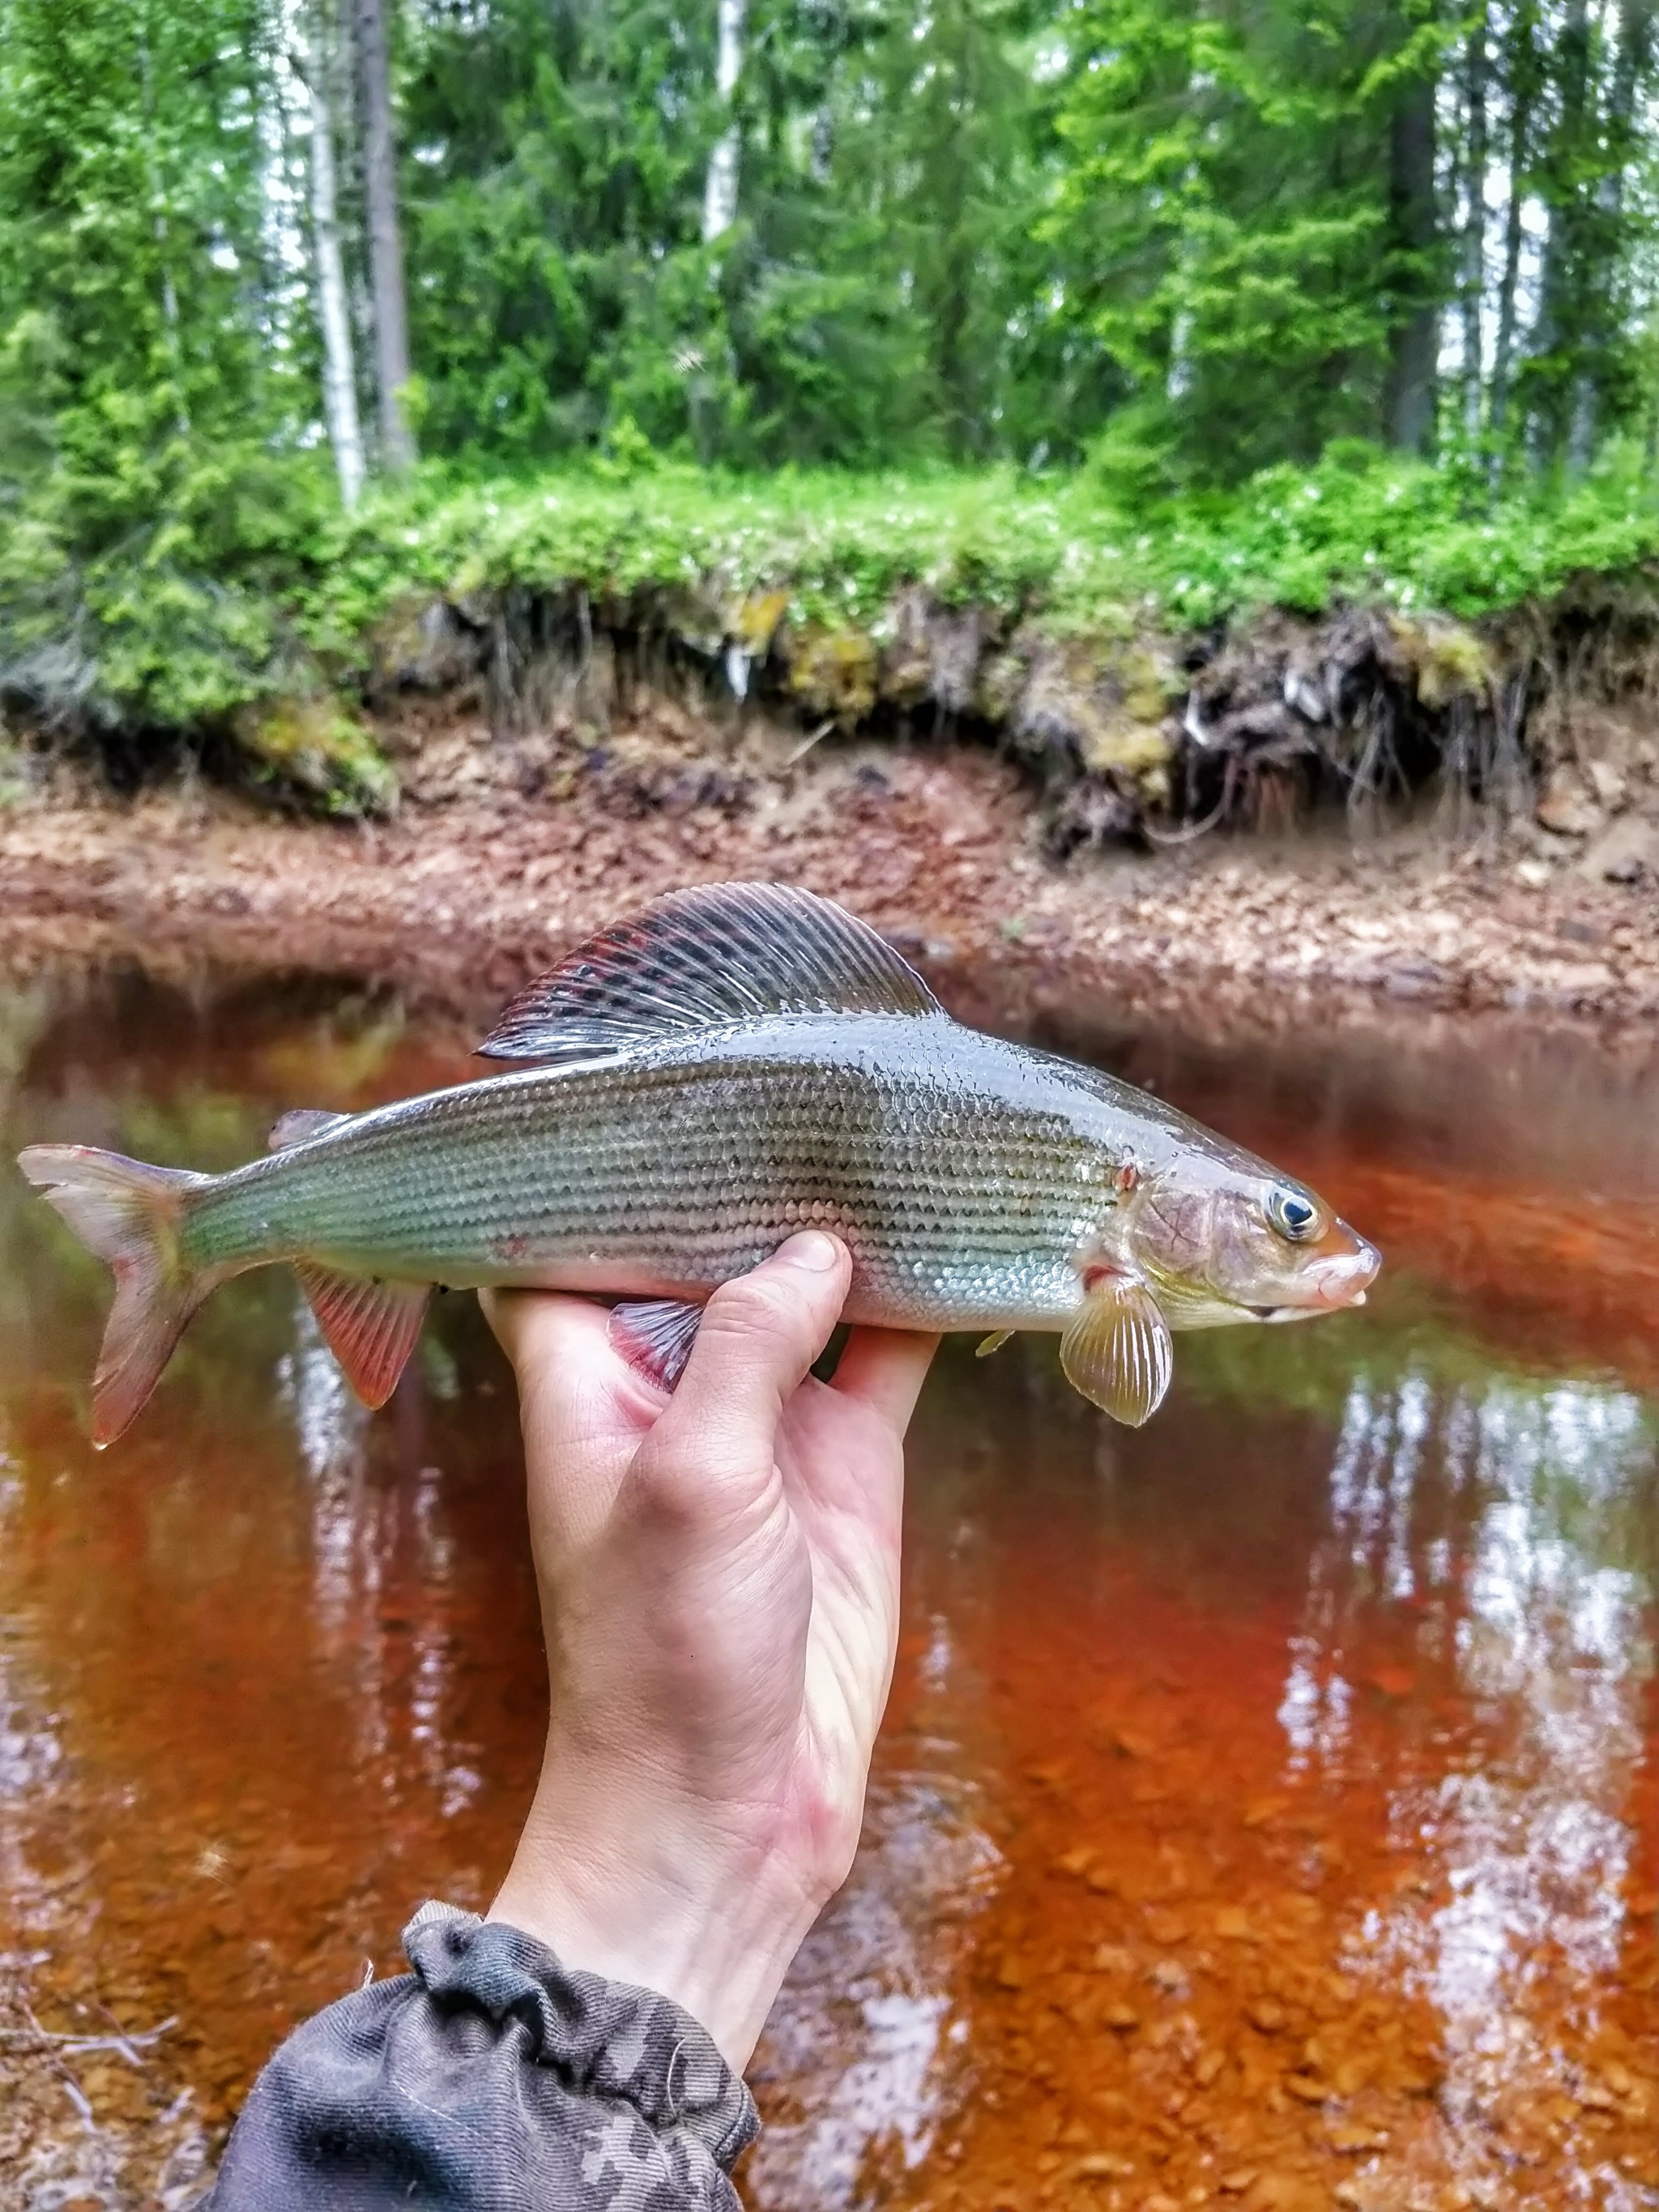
(490, 2077)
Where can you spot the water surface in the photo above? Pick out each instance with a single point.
(1268, 1812)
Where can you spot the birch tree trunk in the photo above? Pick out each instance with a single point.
(1474, 225)
(386, 247)
(340, 367)
(720, 197)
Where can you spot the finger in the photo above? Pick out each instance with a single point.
(885, 1369)
(557, 1344)
(581, 1407)
(759, 1337)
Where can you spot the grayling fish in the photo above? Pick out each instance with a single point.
(735, 1063)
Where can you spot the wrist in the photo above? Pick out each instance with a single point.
(707, 1909)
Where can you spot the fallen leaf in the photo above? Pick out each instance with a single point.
(1393, 1681)
(1102, 2165)
(1264, 1810)
(1310, 2091)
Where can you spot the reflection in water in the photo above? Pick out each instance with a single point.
(358, 1532)
(1265, 1814)
(865, 2042)
(1524, 1841)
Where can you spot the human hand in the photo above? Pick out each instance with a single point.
(719, 1578)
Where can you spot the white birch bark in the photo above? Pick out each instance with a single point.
(345, 433)
(719, 199)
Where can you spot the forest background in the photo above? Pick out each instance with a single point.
(1188, 305)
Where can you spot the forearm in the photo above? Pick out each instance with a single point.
(489, 2077)
(708, 1908)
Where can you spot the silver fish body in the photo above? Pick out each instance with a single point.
(735, 1063)
(966, 1176)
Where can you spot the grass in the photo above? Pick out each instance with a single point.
(1360, 525)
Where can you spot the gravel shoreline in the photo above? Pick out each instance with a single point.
(475, 883)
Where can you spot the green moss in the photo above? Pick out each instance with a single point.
(313, 745)
(834, 671)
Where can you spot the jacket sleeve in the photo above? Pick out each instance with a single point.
(491, 2077)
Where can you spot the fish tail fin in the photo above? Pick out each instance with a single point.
(128, 1214)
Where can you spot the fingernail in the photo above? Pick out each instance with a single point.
(811, 1249)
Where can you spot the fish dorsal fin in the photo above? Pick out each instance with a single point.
(304, 1122)
(703, 959)
(370, 1328)
(1117, 1350)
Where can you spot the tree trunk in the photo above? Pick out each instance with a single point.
(720, 197)
(1631, 69)
(1475, 221)
(1559, 328)
(386, 249)
(1522, 73)
(1416, 336)
(339, 368)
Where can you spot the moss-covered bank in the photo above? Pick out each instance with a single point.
(1351, 634)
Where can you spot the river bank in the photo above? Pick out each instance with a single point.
(504, 851)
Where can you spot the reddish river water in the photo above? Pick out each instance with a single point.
(1268, 1812)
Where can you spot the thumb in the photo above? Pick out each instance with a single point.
(758, 1338)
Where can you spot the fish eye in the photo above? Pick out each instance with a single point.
(1292, 1215)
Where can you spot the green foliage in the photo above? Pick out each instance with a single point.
(194, 622)
(1098, 309)
(1360, 524)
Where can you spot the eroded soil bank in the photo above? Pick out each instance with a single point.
(505, 849)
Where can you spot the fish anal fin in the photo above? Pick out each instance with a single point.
(1118, 1351)
(655, 1337)
(370, 1326)
(705, 958)
(302, 1122)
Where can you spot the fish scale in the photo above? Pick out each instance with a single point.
(674, 1171)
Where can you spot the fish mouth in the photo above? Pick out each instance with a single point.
(1330, 1281)
(1307, 1312)
(1344, 1277)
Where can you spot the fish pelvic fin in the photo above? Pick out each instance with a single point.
(655, 1337)
(718, 954)
(371, 1327)
(1118, 1351)
(129, 1214)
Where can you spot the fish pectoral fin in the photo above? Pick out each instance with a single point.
(655, 1337)
(994, 1342)
(370, 1326)
(1118, 1351)
(707, 957)
(294, 1127)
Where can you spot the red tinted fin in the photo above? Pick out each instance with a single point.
(704, 958)
(128, 1213)
(655, 1337)
(371, 1327)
